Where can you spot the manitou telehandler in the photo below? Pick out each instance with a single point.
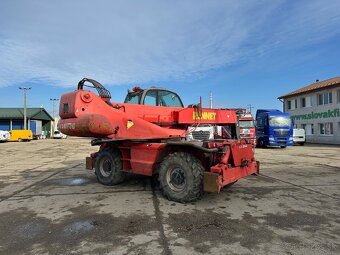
(146, 135)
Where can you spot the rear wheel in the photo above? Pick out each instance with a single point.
(181, 177)
(108, 167)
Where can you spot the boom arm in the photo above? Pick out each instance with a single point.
(86, 114)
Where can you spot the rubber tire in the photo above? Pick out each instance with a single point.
(116, 176)
(302, 144)
(260, 143)
(193, 171)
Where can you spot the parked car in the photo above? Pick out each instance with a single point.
(21, 135)
(4, 136)
(58, 135)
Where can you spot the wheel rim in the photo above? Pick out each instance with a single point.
(175, 177)
(105, 167)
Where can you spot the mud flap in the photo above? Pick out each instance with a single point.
(211, 182)
(90, 163)
(257, 168)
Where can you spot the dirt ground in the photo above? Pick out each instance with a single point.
(49, 204)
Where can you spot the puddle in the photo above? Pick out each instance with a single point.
(79, 181)
(80, 226)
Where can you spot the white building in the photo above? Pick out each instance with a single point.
(316, 108)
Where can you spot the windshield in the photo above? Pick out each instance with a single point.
(279, 121)
(246, 123)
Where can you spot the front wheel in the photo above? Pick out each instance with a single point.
(108, 167)
(260, 143)
(181, 177)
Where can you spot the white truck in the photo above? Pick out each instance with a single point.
(200, 132)
(299, 136)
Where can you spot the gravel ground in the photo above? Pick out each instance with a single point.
(49, 204)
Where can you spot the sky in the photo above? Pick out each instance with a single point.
(245, 52)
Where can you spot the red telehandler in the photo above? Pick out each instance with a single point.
(146, 135)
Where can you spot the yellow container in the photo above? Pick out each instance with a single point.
(20, 135)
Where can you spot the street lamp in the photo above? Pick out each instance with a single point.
(25, 114)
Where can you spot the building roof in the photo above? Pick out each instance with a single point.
(18, 113)
(314, 87)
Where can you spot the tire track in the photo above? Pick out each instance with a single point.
(37, 182)
(301, 186)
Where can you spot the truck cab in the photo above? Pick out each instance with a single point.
(274, 128)
(247, 128)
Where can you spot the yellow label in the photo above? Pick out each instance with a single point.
(205, 116)
(129, 124)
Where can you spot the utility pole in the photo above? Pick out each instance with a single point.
(250, 107)
(25, 112)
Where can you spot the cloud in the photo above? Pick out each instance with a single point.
(126, 42)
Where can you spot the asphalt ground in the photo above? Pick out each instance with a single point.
(49, 204)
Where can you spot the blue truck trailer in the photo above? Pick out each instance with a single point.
(273, 128)
(36, 127)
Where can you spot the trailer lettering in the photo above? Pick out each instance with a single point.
(205, 116)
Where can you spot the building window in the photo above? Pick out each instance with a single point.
(312, 129)
(303, 126)
(306, 102)
(309, 129)
(326, 128)
(325, 98)
(289, 105)
(338, 96)
(292, 104)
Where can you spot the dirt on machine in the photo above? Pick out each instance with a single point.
(147, 135)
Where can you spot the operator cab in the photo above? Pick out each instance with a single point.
(153, 97)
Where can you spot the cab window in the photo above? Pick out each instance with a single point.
(162, 98)
(151, 98)
(132, 98)
(167, 98)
